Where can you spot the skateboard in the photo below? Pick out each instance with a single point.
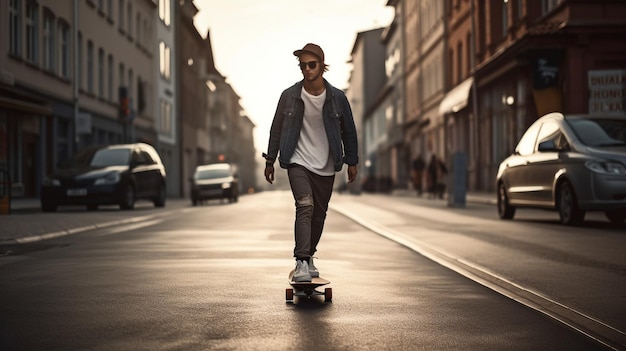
(307, 289)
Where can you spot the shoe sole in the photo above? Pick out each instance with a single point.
(302, 279)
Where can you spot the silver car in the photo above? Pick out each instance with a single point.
(569, 163)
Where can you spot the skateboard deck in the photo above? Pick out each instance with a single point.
(307, 289)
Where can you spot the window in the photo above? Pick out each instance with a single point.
(129, 18)
(164, 11)
(166, 117)
(90, 67)
(164, 60)
(459, 62)
(505, 17)
(101, 72)
(468, 50)
(48, 41)
(110, 78)
(122, 73)
(63, 50)
(79, 67)
(131, 79)
(32, 31)
(141, 95)
(138, 28)
(120, 14)
(548, 5)
(15, 27)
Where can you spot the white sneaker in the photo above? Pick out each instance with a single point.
(312, 269)
(302, 272)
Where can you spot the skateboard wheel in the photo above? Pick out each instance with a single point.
(328, 294)
(289, 294)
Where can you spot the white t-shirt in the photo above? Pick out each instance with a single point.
(313, 151)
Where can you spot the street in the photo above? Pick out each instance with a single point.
(406, 273)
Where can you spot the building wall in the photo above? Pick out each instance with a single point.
(165, 95)
(43, 72)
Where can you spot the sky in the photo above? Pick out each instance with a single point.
(253, 43)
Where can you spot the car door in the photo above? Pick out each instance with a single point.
(543, 165)
(515, 175)
(140, 171)
(152, 174)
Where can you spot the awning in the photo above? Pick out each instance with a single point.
(456, 99)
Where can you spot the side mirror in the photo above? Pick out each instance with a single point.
(547, 146)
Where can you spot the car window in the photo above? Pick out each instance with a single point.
(139, 158)
(79, 159)
(526, 145)
(153, 154)
(146, 156)
(600, 131)
(212, 174)
(110, 157)
(549, 130)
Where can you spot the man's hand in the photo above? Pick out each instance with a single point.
(269, 174)
(352, 171)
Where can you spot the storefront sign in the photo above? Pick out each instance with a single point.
(607, 91)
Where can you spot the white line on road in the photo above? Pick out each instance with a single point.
(591, 327)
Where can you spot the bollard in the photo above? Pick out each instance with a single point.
(457, 180)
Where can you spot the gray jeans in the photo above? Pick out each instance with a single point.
(312, 193)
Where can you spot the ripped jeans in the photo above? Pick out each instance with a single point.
(311, 193)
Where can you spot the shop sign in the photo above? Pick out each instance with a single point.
(607, 91)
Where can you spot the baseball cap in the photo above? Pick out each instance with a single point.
(312, 49)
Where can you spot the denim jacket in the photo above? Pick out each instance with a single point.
(338, 122)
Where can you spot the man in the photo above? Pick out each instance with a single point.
(418, 173)
(314, 131)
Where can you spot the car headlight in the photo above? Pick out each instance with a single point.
(111, 178)
(225, 185)
(606, 167)
(51, 182)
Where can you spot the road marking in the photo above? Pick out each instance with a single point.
(587, 325)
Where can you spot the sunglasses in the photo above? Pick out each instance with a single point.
(311, 64)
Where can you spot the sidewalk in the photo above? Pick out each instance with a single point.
(26, 222)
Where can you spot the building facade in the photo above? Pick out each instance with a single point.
(367, 80)
(86, 72)
(166, 95)
(478, 73)
(65, 67)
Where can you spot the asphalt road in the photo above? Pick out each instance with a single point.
(214, 277)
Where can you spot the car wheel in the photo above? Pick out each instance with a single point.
(159, 201)
(128, 199)
(567, 205)
(616, 216)
(505, 210)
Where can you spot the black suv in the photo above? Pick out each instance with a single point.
(107, 175)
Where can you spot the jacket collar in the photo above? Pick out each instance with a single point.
(297, 88)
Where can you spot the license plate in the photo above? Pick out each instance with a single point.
(212, 192)
(76, 192)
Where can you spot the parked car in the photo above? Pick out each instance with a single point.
(214, 181)
(107, 175)
(569, 163)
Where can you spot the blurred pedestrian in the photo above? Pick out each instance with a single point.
(314, 132)
(417, 173)
(437, 170)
